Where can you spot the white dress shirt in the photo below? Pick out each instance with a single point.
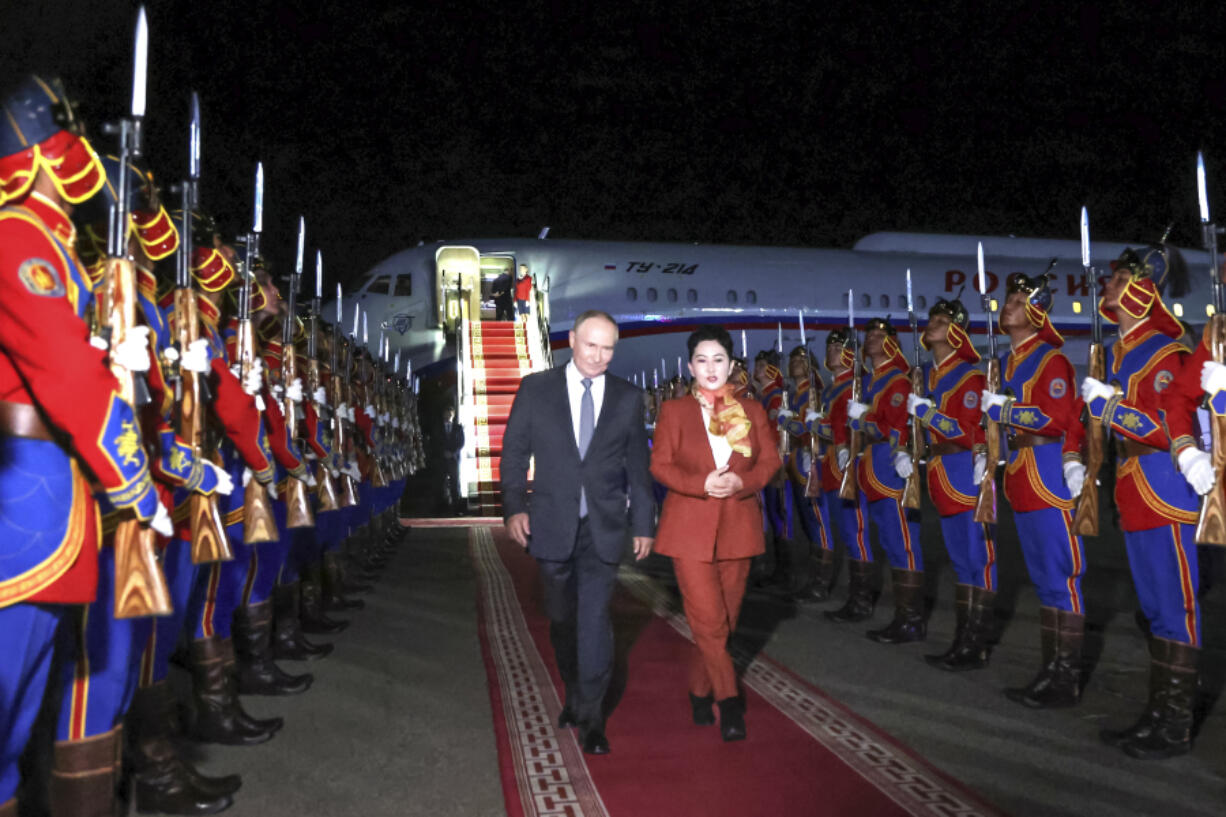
(720, 448)
(574, 390)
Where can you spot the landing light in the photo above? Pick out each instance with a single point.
(1178, 310)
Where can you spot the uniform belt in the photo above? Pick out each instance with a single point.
(1030, 440)
(1126, 447)
(22, 420)
(943, 449)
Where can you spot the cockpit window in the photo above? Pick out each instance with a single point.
(404, 286)
(380, 285)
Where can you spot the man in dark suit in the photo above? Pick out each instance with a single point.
(585, 429)
(504, 300)
(451, 443)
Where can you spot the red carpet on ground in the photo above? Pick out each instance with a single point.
(805, 754)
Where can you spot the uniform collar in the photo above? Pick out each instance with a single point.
(1027, 346)
(52, 215)
(842, 377)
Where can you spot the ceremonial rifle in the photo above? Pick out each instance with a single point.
(209, 542)
(297, 495)
(784, 437)
(915, 445)
(813, 480)
(985, 503)
(348, 490)
(1211, 525)
(855, 439)
(378, 477)
(328, 500)
(259, 525)
(140, 587)
(1085, 520)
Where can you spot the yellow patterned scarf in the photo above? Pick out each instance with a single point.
(729, 421)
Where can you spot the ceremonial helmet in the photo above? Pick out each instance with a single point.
(1038, 303)
(147, 218)
(39, 131)
(771, 358)
(959, 320)
(889, 345)
(212, 270)
(841, 337)
(259, 295)
(1152, 269)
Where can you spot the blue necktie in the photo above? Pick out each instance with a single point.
(587, 422)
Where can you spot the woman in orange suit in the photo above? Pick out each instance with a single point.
(714, 452)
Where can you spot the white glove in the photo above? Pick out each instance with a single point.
(370, 411)
(785, 413)
(336, 472)
(310, 454)
(1212, 377)
(321, 396)
(133, 353)
(255, 378)
(277, 391)
(247, 475)
(225, 483)
(351, 468)
(310, 479)
(902, 464)
(396, 423)
(991, 398)
(856, 410)
(342, 411)
(196, 358)
(294, 391)
(272, 486)
(352, 415)
(981, 468)
(1197, 468)
(812, 417)
(383, 418)
(917, 405)
(161, 521)
(844, 457)
(1092, 389)
(1074, 477)
(98, 342)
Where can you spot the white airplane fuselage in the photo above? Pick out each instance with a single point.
(659, 292)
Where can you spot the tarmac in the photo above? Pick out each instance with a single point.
(399, 722)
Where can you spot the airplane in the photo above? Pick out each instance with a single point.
(658, 292)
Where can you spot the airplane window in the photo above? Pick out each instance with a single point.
(691, 296)
(844, 300)
(885, 301)
(632, 294)
(866, 300)
(732, 296)
(652, 294)
(751, 297)
(672, 296)
(923, 302)
(380, 286)
(404, 286)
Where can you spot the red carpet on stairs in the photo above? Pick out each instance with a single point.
(498, 358)
(805, 755)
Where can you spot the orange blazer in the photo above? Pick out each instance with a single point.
(692, 524)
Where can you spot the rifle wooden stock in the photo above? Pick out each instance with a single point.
(1211, 526)
(911, 488)
(340, 440)
(1085, 520)
(985, 503)
(259, 525)
(848, 489)
(209, 542)
(297, 496)
(140, 587)
(325, 487)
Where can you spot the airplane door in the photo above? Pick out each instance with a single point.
(457, 275)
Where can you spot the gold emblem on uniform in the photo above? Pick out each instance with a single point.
(40, 277)
(946, 425)
(1131, 421)
(127, 444)
(1027, 417)
(178, 460)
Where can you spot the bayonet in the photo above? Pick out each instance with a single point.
(911, 487)
(985, 503)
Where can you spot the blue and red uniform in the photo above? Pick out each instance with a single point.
(849, 517)
(797, 465)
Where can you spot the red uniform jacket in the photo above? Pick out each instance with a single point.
(692, 524)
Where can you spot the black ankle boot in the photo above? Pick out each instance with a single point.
(731, 719)
(703, 714)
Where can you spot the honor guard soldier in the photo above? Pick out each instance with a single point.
(881, 473)
(812, 563)
(957, 460)
(848, 516)
(1158, 505)
(776, 503)
(61, 415)
(1039, 408)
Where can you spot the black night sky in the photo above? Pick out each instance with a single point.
(753, 122)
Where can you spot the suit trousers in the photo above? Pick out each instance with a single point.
(711, 593)
(577, 592)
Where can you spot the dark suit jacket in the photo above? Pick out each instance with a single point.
(614, 469)
(692, 524)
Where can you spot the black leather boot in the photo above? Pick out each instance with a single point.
(162, 780)
(1153, 701)
(257, 673)
(702, 711)
(84, 775)
(1170, 733)
(860, 596)
(334, 587)
(962, 603)
(219, 718)
(731, 719)
(974, 648)
(908, 624)
(823, 578)
(288, 641)
(312, 616)
(1058, 683)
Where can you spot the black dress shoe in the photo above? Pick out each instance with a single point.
(567, 719)
(593, 740)
(702, 709)
(731, 719)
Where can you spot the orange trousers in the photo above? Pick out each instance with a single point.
(711, 593)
